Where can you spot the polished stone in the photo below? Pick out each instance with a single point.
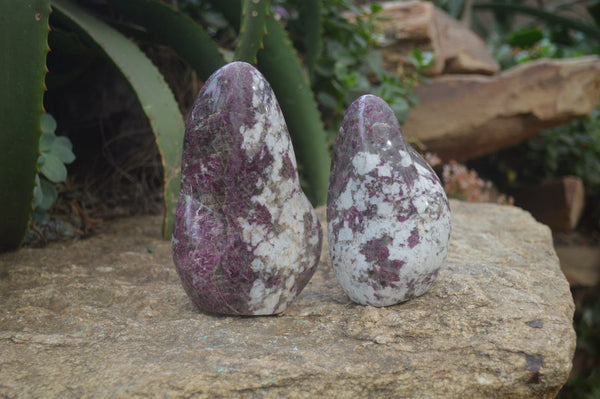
(388, 215)
(246, 239)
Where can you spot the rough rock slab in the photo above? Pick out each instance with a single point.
(407, 25)
(107, 317)
(465, 116)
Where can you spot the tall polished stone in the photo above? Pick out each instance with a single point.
(246, 239)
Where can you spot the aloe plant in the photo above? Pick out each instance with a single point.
(592, 31)
(278, 61)
(167, 26)
(24, 45)
(153, 93)
(312, 20)
(24, 74)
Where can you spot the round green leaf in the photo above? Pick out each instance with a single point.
(63, 141)
(62, 149)
(48, 123)
(53, 169)
(46, 141)
(38, 194)
(50, 194)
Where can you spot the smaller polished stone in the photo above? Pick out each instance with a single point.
(388, 215)
(246, 240)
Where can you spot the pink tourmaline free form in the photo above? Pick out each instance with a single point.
(246, 239)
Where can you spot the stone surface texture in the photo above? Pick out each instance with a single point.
(246, 239)
(465, 116)
(407, 25)
(107, 317)
(387, 212)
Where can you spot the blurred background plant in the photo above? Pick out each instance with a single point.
(349, 65)
(56, 152)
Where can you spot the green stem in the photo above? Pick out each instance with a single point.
(252, 31)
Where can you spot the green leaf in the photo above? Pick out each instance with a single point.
(62, 149)
(153, 93)
(525, 37)
(64, 154)
(49, 195)
(168, 26)
(375, 8)
(62, 142)
(23, 45)
(38, 194)
(53, 168)
(252, 31)
(310, 15)
(46, 142)
(48, 123)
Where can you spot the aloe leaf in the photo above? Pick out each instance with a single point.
(280, 64)
(24, 45)
(252, 31)
(170, 27)
(153, 93)
(310, 15)
(548, 17)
